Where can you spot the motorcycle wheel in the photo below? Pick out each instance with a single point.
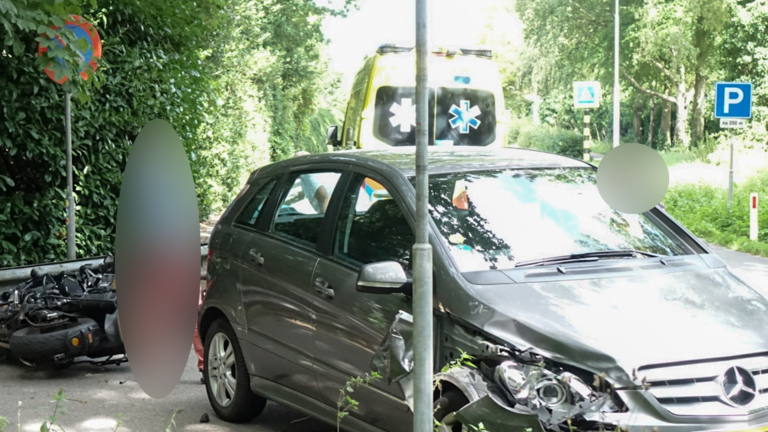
(32, 344)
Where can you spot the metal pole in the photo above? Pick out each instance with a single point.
(422, 251)
(71, 254)
(730, 175)
(616, 87)
(587, 155)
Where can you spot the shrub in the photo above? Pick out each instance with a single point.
(552, 140)
(704, 210)
(232, 94)
(516, 126)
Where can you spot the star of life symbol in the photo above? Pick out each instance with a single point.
(404, 115)
(464, 117)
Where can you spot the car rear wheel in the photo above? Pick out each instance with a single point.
(226, 376)
(446, 406)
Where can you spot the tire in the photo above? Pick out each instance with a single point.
(31, 343)
(236, 406)
(448, 403)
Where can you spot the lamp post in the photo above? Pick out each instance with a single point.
(422, 250)
(616, 86)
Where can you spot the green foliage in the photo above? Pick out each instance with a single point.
(346, 402)
(704, 210)
(59, 409)
(3, 423)
(552, 140)
(516, 126)
(464, 360)
(20, 18)
(172, 424)
(239, 81)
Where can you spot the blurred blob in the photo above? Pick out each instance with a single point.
(157, 258)
(632, 178)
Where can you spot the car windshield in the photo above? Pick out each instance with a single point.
(493, 219)
(460, 116)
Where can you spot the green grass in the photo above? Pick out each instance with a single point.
(600, 147)
(670, 157)
(674, 158)
(704, 210)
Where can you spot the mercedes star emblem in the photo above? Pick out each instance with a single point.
(738, 386)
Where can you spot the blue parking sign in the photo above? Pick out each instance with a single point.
(733, 100)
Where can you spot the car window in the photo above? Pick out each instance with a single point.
(371, 227)
(299, 216)
(250, 213)
(494, 219)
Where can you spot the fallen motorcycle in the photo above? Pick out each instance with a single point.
(52, 320)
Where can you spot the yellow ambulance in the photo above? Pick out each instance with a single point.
(466, 103)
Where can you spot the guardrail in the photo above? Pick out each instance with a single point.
(12, 276)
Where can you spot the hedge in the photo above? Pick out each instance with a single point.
(238, 80)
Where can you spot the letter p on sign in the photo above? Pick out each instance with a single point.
(733, 96)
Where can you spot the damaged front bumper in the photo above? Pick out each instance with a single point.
(643, 416)
(508, 397)
(494, 415)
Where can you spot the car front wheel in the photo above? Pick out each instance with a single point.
(445, 408)
(226, 376)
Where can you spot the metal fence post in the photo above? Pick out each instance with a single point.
(422, 251)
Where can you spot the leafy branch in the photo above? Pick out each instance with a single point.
(58, 409)
(346, 402)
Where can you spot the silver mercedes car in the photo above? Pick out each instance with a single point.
(576, 317)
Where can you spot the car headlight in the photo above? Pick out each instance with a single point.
(554, 396)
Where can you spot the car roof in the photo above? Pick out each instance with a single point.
(442, 160)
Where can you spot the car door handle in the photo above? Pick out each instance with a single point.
(323, 287)
(256, 256)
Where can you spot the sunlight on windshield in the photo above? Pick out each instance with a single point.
(516, 215)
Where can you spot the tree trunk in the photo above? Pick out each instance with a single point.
(666, 117)
(698, 108)
(638, 117)
(681, 120)
(651, 121)
(702, 50)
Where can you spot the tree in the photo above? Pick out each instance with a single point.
(668, 50)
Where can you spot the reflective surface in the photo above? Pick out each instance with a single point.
(494, 219)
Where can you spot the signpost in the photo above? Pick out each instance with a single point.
(586, 95)
(82, 30)
(753, 217)
(733, 104)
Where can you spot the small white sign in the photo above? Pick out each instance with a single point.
(753, 217)
(732, 123)
(586, 94)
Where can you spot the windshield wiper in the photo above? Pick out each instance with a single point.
(587, 256)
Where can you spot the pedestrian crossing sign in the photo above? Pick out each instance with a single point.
(586, 94)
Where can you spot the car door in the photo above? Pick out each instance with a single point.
(280, 257)
(349, 325)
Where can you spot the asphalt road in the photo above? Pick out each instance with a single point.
(97, 395)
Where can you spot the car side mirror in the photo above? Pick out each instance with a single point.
(332, 136)
(386, 277)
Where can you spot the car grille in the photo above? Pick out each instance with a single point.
(694, 388)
